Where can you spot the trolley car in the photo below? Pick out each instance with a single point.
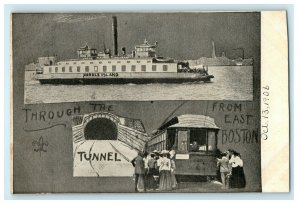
(194, 140)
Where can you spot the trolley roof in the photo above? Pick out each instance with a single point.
(190, 121)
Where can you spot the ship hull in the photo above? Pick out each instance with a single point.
(121, 78)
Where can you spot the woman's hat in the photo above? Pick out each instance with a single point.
(165, 151)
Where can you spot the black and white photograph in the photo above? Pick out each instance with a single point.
(139, 56)
(196, 147)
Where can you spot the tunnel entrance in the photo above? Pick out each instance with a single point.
(101, 129)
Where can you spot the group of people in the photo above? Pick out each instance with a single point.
(231, 169)
(154, 171)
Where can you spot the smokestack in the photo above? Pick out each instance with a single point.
(115, 35)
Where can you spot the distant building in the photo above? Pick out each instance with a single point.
(221, 61)
(46, 61)
(213, 50)
(30, 72)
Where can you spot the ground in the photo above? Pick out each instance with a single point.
(200, 187)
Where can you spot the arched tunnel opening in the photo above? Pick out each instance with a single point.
(101, 129)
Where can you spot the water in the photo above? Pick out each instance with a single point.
(230, 83)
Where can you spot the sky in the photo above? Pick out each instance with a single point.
(179, 35)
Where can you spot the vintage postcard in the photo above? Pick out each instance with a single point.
(149, 102)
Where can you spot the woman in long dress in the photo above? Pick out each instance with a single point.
(172, 154)
(237, 178)
(173, 178)
(165, 173)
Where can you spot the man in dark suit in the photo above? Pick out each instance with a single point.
(139, 170)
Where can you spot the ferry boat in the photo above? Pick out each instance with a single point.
(141, 66)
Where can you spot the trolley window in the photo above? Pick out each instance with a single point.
(198, 140)
(171, 139)
(211, 142)
(202, 140)
(182, 140)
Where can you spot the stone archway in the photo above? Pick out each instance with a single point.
(101, 129)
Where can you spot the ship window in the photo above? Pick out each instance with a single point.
(138, 61)
(82, 62)
(143, 68)
(128, 61)
(148, 61)
(67, 62)
(118, 61)
(165, 68)
(74, 62)
(56, 69)
(109, 62)
(100, 62)
(70, 69)
(104, 68)
(87, 68)
(63, 69)
(154, 68)
(50, 69)
(133, 68)
(78, 68)
(114, 68)
(123, 68)
(91, 62)
(96, 68)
